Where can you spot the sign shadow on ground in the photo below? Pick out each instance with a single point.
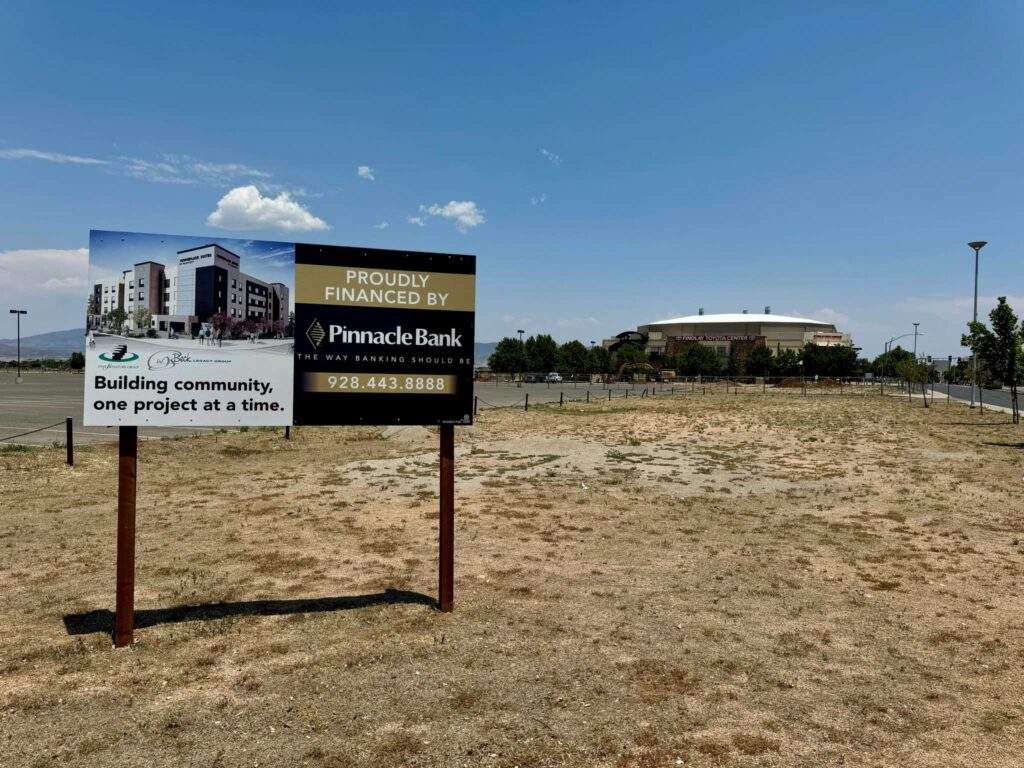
(103, 620)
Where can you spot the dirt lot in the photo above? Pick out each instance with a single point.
(682, 581)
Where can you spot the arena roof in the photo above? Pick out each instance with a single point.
(737, 317)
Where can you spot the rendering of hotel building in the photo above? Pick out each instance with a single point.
(205, 282)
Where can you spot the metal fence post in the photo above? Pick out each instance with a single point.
(70, 442)
(527, 406)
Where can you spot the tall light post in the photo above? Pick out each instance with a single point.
(977, 245)
(19, 313)
(915, 340)
(522, 355)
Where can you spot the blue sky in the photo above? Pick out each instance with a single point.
(609, 164)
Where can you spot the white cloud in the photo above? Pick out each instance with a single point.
(164, 173)
(224, 170)
(555, 159)
(246, 208)
(519, 322)
(44, 270)
(465, 213)
(827, 315)
(182, 169)
(382, 225)
(577, 322)
(539, 200)
(170, 169)
(958, 307)
(419, 221)
(365, 172)
(53, 157)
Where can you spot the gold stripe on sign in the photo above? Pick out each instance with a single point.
(380, 383)
(394, 288)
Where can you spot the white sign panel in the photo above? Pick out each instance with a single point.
(189, 331)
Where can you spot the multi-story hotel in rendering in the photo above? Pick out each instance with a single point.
(206, 281)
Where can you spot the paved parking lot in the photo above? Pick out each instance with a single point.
(46, 399)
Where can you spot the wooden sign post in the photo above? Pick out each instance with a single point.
(124, 618)
(446, 554)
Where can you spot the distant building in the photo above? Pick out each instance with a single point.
(206, 281)
(731, 334)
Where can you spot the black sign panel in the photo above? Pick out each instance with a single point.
(383, 337)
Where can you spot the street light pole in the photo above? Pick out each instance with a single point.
(915, 340)
(522, 355)
(977, 245)
(18, 313)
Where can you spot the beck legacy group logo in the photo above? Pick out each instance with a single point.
(119, 354)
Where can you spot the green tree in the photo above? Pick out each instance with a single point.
(116, 318)
(916, 372)
(541, 353)
(759, 361)
(141, 318)
(885, 363)
(508, 357)
(786, 363)
(1000, 348)
(76, 361)
(573, 358)
(828, 361)
(699, 360)
(600, 360)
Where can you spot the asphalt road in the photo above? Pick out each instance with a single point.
(996, 397)
(46, 399)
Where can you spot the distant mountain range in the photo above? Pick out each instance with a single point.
(60, 344)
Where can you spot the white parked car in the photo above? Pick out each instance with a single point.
(553, 378)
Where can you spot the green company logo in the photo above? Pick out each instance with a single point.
(119, 354)
(316, 334)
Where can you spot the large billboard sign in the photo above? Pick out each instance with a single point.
(193, 331)
(383, 337)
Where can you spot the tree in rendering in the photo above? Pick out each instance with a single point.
(999, 349)
(141, 318)
(116, 317)
(222, 324)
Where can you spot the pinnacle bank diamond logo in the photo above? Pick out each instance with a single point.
(316, 334)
